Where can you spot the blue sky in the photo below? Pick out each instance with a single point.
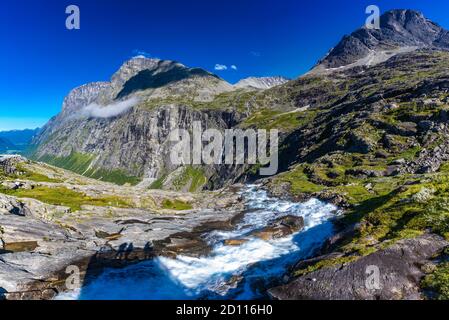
(41, 61)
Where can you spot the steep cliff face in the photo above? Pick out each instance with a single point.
(130, 147)
(118, 131)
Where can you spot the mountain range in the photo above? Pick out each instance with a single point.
(16, 141)
(109, 129)
(365, 130)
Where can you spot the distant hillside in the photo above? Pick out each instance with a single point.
(16, 141)
(5, 144)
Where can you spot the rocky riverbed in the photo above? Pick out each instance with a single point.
(38, 240)
(242, 262)
(126, 241)
(242, 242)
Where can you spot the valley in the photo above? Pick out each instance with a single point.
(363, 180)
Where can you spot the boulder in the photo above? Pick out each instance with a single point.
(8, 164)
(280, 228)
(425, 125)
(391, 107)
(364, 173)
(10, 205)
(235, 242)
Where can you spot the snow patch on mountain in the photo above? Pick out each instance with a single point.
(260, 83)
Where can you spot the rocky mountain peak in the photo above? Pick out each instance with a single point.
(82, 96)
(137, 74)
(410, 27)
(400, 31)
(137, 64)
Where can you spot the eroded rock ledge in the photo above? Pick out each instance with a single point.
(35, 251)
(401, 268)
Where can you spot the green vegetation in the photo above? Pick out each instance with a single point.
(299, 182)
(64, 197)
(36, 177)
(358, 165)
(234, 100)
(387, 209)
(297, 93)
(191, 177)
(114, 176)
(76, 162)
(334, 173)
(438, 281)
(159, 183)
(28, 174)
(324, 263)
(273, 119)
(81, 163)
(176, 205)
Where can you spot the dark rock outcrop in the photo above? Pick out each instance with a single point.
(399, 274)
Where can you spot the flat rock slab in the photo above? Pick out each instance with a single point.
(36, 248)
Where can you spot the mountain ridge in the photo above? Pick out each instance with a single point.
(371, 140)
(401, 30)
(16, 140)
(171, 96)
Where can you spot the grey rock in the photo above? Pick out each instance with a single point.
(399, 267)
(425, 125)
(136, 141)
(8, 164)
(360, 144)
(260, 83)
(281, 227)
(38, 241)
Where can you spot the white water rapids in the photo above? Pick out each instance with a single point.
(228, 272)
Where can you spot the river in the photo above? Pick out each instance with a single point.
(227, 272)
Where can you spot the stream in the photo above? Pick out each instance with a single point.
(228, 272)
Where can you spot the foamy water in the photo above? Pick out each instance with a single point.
(228, 272)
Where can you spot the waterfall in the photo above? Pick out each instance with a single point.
(228, 271)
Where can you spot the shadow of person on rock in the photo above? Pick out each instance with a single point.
(121, 251)
(148, 250)
(129, 250)
(130, 273)
(147, 280)
(3, 293)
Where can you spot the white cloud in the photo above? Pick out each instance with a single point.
(234, 67)
(112, 110)
(220, 67)
(141, 54)
(256, 54)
